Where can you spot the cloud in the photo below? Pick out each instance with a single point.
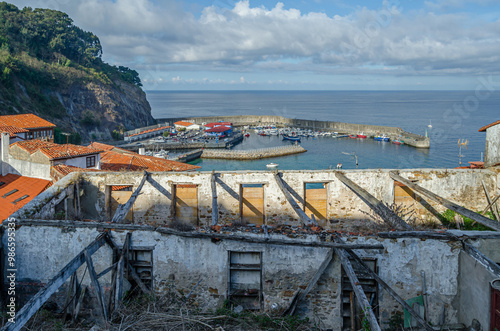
(244, 38)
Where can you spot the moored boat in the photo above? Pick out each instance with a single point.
(285, 137)
(272, 165)
(353, 136)
(361, 135)
(247, 134)
(381, 138)
(398, 142)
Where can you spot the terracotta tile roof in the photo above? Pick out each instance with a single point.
(218, 129)
(12, 130)
(152, 130)
(63, 169)
(55, 151)
(68, 151)
(113, 161)
(107, 148)
(211, 125)
(11, 200)
(25, 121)
(34, 145)
(489, 126)
(184, 123)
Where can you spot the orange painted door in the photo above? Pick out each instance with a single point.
(316, 203)
(120, 198)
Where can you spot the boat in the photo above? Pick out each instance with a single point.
(353, 136)
(382, 138)
(291, 138)
(361, 135)
(272, 165)
(398, 142)
(247, 134)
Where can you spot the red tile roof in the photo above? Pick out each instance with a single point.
(55, 151)
(210, 125)
(152, 130)
(12, 129)
(24, 186)
(218, 129)
(107, 148)
(31, 146)
(489, 126)
(182, 123)
(25, 121)
(63, 169)
(113, 161)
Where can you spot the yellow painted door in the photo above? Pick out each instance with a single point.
(252, 209)
(186, 203)
(316, 204)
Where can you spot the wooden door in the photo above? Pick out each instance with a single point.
(252, 204)
(186, 203)
(119, 196)
(316, 201)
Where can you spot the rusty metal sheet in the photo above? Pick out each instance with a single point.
(120, 198)
(316, 203)
(253, 205)
(186, 203)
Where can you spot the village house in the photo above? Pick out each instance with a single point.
(492, 149)
(29, 127)
(183, 125)
(147, 134)
(219, 129)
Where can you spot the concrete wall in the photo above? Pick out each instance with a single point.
(28, 168)
(181, 262)
(492, 152)
(345, 209)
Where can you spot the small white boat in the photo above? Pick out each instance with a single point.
(272, 166)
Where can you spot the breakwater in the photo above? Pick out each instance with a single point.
(171, 145)
(411, 139)
(253, 153)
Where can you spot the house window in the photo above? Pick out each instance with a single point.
(90, 161)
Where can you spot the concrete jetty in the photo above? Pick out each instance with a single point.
(410, 139)
(252, 154)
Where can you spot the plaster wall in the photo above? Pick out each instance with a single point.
(180, 262)
(28, 168)
(80, 162)
(492, 151)
(343, 206)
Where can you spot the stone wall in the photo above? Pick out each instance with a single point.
(343, 206)
(179, 263)
(492, 152)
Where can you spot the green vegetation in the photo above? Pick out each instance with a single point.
(41, 50)
(449, 220)
(73, 138)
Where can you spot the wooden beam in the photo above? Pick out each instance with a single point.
(122, 210)
(386, 287)
(119, 272)
(387, 215)
(257, 240)
(492, 207)
(95, 281)
(448, 204)
(491, 204)
(440, 235)
(32, 306)
(310, 285)
(483, 259)
(302, 215)
(215, 208)
(358, 290)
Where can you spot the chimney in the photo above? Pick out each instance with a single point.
(142, 151)
(5, 153)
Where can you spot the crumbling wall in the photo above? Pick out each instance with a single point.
(492, 149)
(154, 207)
(179, 263)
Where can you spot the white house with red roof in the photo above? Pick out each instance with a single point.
(184, 125)
(218, 129)
(492, 150)
(28, 126)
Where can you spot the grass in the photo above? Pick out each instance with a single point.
(448, 219)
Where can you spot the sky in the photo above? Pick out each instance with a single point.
(295, 44)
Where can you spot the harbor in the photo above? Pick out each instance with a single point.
(252, 154)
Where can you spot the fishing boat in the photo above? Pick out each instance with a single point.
(353, 136)
(285, 137)
(397, 142)
(272, 165)
(361, 135)
(382, 138)
(247, 134)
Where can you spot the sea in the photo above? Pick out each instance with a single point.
(450, 118)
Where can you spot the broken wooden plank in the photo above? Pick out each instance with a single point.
(257, 240)
(492, 207)
(302, 215)
(366, 308)
(448, 204)
(32, 306)
(122, 210)
(119, 272)
(387, 215)
(490, 265)
(80, 301)
(491, 204)
(440, 235)
(95, 281)
(312, 282)
(386, 287)
(215, 208)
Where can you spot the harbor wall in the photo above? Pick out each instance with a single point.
(252, 154)
(411, 139)
(343, 209)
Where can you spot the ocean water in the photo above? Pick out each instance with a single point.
(454, 116)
